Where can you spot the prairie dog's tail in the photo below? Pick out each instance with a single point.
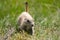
(26, 6)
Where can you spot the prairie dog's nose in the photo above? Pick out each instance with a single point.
(32, 24)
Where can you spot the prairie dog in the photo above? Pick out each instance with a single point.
(26, 22)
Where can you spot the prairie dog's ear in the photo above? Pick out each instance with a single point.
(19, 21)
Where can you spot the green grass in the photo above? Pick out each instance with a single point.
(45, 12)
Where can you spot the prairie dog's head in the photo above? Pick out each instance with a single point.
(26, 19)
(29, 22)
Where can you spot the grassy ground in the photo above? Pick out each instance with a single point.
(45, 12)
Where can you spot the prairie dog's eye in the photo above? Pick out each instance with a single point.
(28, 21)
